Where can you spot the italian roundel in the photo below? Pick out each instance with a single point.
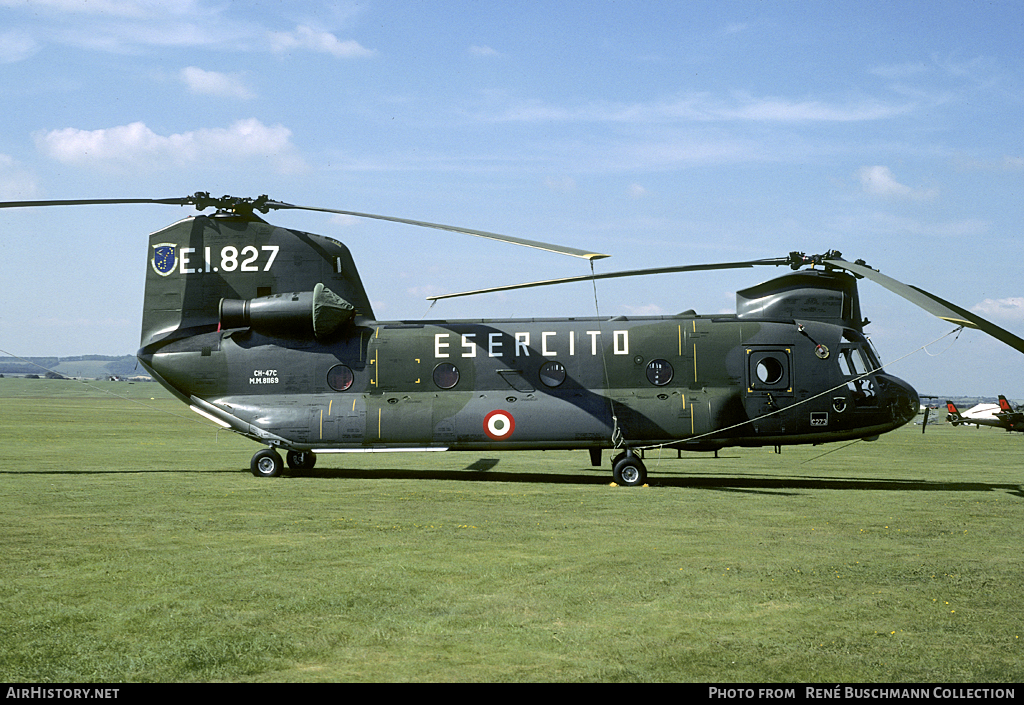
(499, 425)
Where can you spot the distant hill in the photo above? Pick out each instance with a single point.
(90, 366)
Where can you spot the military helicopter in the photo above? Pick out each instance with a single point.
(269, 332)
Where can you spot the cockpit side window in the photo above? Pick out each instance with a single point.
(858, 366)
(865, 347)
(851, 361)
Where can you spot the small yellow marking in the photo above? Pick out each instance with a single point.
(321, 424)
(329, 405)
(379, 413)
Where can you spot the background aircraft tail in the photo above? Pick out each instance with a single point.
(953, 416)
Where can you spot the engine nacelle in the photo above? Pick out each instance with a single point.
(303, 314)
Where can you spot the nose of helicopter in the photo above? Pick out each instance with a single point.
(902, 399)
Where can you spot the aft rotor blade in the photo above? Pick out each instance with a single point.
(571, 251)
(203, 200)
(932, 304)
(615, 275)
(96, 202)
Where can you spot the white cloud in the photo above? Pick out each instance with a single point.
(137, 26)
(695, 107)
(785, 110)
(637, 191)
(215, 83)
(305, 37)
(900, 71)
(1010, 309)
(644, 310)
(735, 28)
(131, 26)
(879, 181)
(136, 145)
(477, 50)
(111, 8)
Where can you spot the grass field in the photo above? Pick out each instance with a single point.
(137, 547)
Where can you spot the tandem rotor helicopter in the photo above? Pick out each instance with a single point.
(269, 332)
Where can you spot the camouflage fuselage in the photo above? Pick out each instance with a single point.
(696, 382)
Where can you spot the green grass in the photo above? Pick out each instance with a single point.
(137, 547)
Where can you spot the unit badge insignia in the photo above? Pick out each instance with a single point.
(164, 258)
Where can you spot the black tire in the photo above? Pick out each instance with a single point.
(630, 471)
(301, 459)
(266, 463)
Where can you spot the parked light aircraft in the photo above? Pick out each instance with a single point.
(1001, 415)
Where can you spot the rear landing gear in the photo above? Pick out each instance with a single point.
(301, 459)
(266, 463)
(629, 470)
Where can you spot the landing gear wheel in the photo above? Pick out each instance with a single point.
(266, 463)
(301, 459)
(629, 470)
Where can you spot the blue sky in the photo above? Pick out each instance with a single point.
(658, 132)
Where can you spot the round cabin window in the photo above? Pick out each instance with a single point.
(552, 374)
(446, 375)
(770, 370)
(340, 378)
(659, 372)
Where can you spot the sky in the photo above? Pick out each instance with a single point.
(657, 132)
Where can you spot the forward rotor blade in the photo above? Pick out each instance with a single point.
(615, 275)
(571, 251)
(932, 304)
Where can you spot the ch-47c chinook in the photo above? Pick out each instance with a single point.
(269, 332)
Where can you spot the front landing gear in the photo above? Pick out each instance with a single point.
(629, 470)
